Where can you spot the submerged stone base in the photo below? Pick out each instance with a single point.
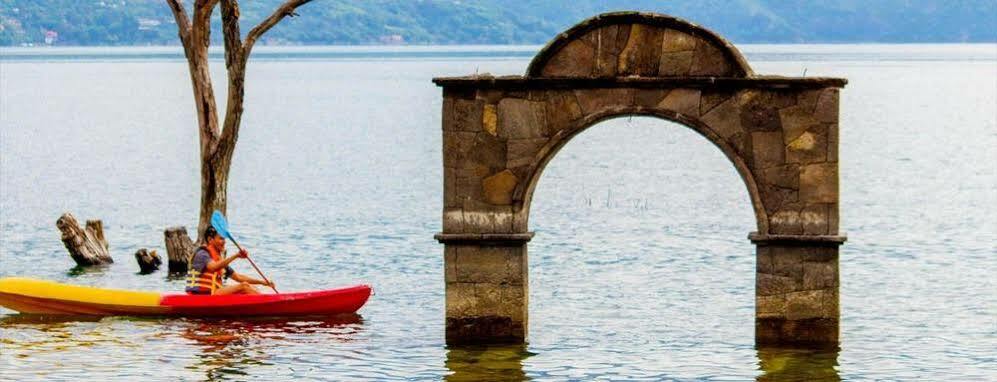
(807, 333)
(486, 288)
(484, 330)
(796, 290)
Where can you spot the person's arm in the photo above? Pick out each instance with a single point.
(215, 265)
(239, 277)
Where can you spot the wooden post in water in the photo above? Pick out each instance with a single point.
(148, 261)
(179, 248)
(86, 246)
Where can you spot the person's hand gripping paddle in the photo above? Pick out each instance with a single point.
(221, 225)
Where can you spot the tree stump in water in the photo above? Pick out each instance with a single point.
(148, 261)
(179, 248)
(86, 246)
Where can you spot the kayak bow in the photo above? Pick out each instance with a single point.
(46, 297)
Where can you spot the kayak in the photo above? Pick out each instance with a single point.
(46, 297)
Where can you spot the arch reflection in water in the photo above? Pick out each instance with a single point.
(486, 363)
(787, 364)
(230, 348)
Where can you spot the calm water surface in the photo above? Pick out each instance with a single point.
(640, 269)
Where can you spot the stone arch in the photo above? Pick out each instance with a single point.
(552, 147)
(781, 134)
(640, 44)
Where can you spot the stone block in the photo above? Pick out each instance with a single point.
(770, 306)
(832, 219)
(826, 109)
(767, 150)
(776, 199)
(456, 145)
(832, 142)
(805, 304)
(450, 187)
(819, 183)
(795, 120)
(785, 176)
(673, 41)
(725, 119)
(807, 100)
(450, 263)
(468, 188)
(641, 55)
(814, 219)
(758, 113)
(486, 299)
(768, 284)
(650, 97)
(820, 254)
(677, 64)
(494, 265)
(709, 60)
(489, 119)
(682, 101)
(595, 100)
(809, 147)
(520, 118)
(523, 152)
(831, 304)
(710, 100)
(787, 261)
(453, 220)
(498, 188)
(464, 115)
(480, 217)
(488, 150)
(764, 256)
(820, 275)
(573, 60)
(562, 111)
(607, 44)
(786, 222)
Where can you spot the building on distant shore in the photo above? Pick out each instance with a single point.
(392, 39)
(51, 37)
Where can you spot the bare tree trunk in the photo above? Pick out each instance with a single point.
(179, 249)
(86, 246)
(218, 142)
(148, 261)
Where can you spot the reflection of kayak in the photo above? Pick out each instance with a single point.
(47, 297)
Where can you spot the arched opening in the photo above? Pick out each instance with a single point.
(639, 224)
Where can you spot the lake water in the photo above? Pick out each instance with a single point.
(640, 268)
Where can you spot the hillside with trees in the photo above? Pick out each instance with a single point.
(335, 22)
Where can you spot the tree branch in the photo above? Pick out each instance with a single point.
(286, 9)
(235, 62)
(183, 23)
(230, 30)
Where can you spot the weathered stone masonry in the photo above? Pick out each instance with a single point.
(780, 133)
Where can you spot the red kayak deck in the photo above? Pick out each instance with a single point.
(326, 302)
(47, 297)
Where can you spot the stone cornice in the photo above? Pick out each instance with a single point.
(484, 238)
(833, 240)
(544, 83)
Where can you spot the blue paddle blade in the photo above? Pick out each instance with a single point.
(221, 225)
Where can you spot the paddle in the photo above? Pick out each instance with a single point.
(221, 225)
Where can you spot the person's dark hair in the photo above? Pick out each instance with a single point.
(209, 233)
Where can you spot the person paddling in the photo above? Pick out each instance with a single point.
(207, 270)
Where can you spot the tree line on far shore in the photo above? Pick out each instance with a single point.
(150, 22)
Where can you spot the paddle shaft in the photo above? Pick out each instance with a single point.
(254, 265)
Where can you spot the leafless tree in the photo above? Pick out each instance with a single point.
(218, 142)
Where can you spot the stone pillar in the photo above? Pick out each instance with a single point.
(487, 289)
(796, 290)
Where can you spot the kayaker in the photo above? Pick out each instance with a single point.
(208, 270)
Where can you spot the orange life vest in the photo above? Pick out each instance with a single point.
(205, 281)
